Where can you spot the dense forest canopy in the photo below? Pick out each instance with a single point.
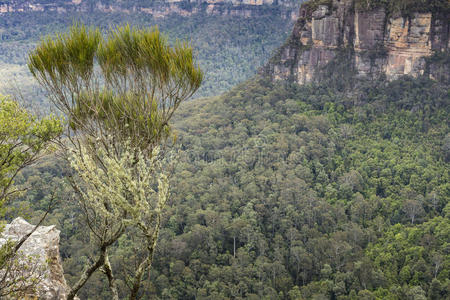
(333, 190)
(288, 192)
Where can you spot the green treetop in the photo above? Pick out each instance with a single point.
(127, 84)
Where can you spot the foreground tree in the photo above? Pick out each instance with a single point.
(130, 96)
(126, 194)
(23, 140)
(118, 113)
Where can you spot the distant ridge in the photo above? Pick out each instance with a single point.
(159, 9)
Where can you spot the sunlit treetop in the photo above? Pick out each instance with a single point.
(23, 139)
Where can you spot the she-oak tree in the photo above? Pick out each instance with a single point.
(118, 93)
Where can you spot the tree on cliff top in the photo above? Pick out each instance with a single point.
(406, 7)
(23, 140)
(119, 94)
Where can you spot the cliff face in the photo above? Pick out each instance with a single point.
(40, 255)
(373, 42)
(244, 8)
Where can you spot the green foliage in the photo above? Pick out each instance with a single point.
(23, 138)
(145, 80)
(406, 7)
(405, 256)
(300, 192)
(118, 111)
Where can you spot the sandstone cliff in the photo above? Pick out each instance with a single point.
(158, 9)
(373, 41)
(40, 254)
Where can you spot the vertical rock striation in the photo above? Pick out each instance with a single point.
(376, 41)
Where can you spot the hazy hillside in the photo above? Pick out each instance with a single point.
(229, 48)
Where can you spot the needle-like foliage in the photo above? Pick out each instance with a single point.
(127, 84)
(119, 93)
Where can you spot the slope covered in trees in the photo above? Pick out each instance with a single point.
(288, 192)
(324, 193)
(337, 190)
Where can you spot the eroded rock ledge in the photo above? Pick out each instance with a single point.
(43, 249)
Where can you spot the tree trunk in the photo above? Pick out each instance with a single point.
(87, 274)
(112, 281)
(145, 264)
(138, 277)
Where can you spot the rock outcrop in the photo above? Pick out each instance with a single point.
(41, 253)
(372, 41)
(158, 9)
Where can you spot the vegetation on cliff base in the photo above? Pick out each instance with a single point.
(402, 7)
(310, 6)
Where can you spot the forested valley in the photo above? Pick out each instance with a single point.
(335, 189)
(293, 193)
